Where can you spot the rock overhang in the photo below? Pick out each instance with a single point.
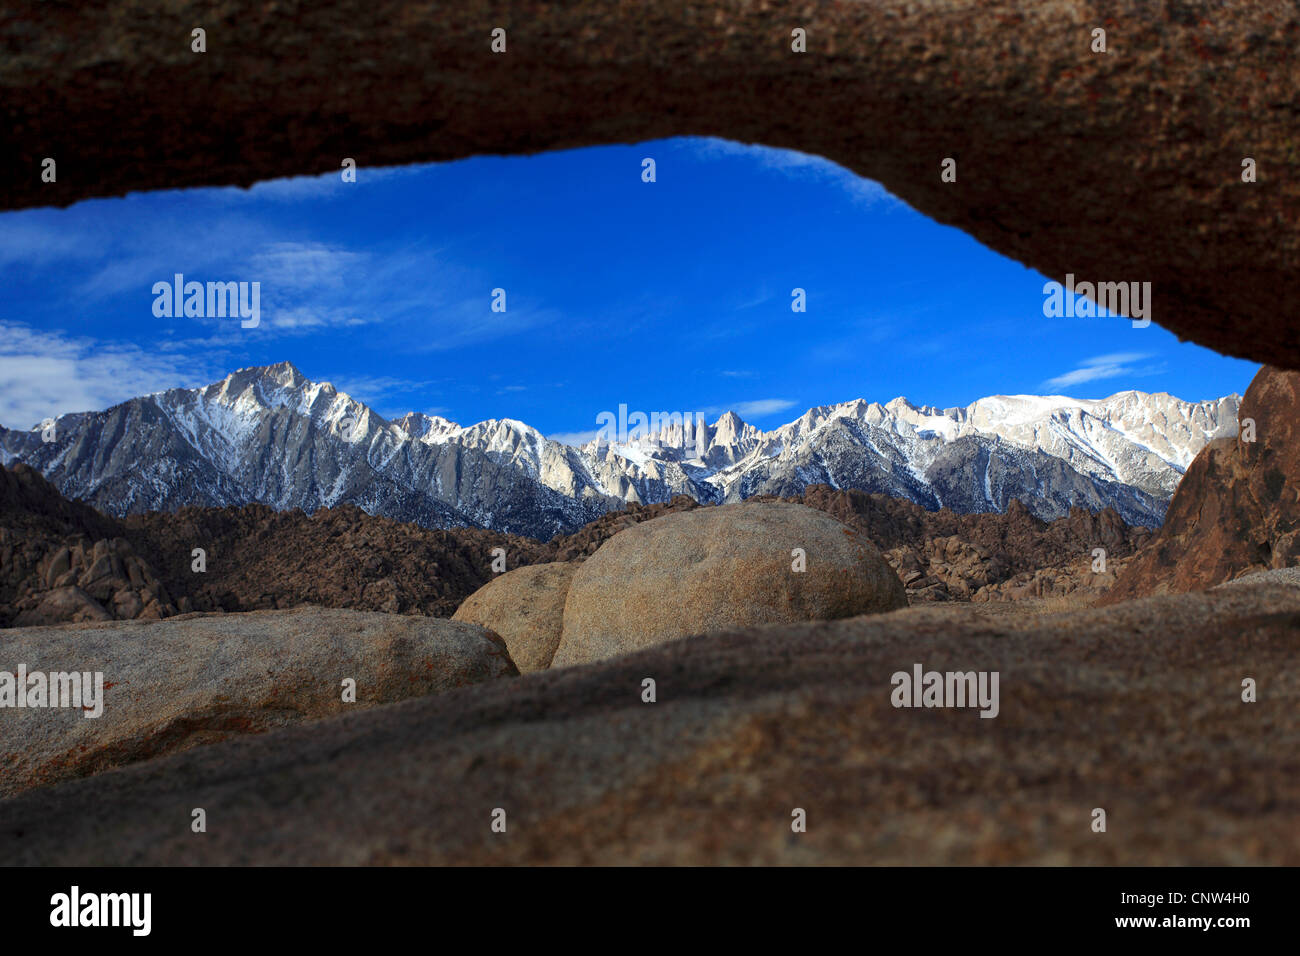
(1123, 166)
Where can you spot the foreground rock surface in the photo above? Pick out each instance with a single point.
(193, 680)
(710, 569)
(1135, 709)
(526, 607)
(1237, 510)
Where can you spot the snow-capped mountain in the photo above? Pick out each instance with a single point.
(978, 457)
(271, 435)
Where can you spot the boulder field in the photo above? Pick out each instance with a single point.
(61, 561)
(260, 559)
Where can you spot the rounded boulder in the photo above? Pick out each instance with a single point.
(526, 608)
(718, 568)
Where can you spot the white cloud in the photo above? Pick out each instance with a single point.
(797, 165)
(304, 265)
(312, 188)
(1102, 367)
(47, 374)
(1116, 358)
(33, 243)
(310, 320)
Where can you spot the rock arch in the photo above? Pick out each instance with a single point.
(1121, 166)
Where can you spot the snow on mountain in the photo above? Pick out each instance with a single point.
(1140, 439)
(271, 435)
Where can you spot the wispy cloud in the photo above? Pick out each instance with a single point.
(29, 242)
(310, 286)
(315, 188)
(797, 165)
(1103, 367)
(305, 286)
(305, 265)
(310, 320)
(47, 374)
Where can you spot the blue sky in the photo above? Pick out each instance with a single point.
(666, 296)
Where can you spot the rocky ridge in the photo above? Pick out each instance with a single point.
(943, 556)
(61, 560)
(261, 559)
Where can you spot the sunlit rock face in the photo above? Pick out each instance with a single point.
(1237, 511)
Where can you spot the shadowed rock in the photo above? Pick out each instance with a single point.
(65, 604)
(61, 561)
(173, 684)
(711, 569)
(944, 556)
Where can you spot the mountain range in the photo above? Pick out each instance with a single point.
(270, 435)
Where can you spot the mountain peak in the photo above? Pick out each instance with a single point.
(280, 375)
(285, 374)
(417, 424)
(730, 429)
